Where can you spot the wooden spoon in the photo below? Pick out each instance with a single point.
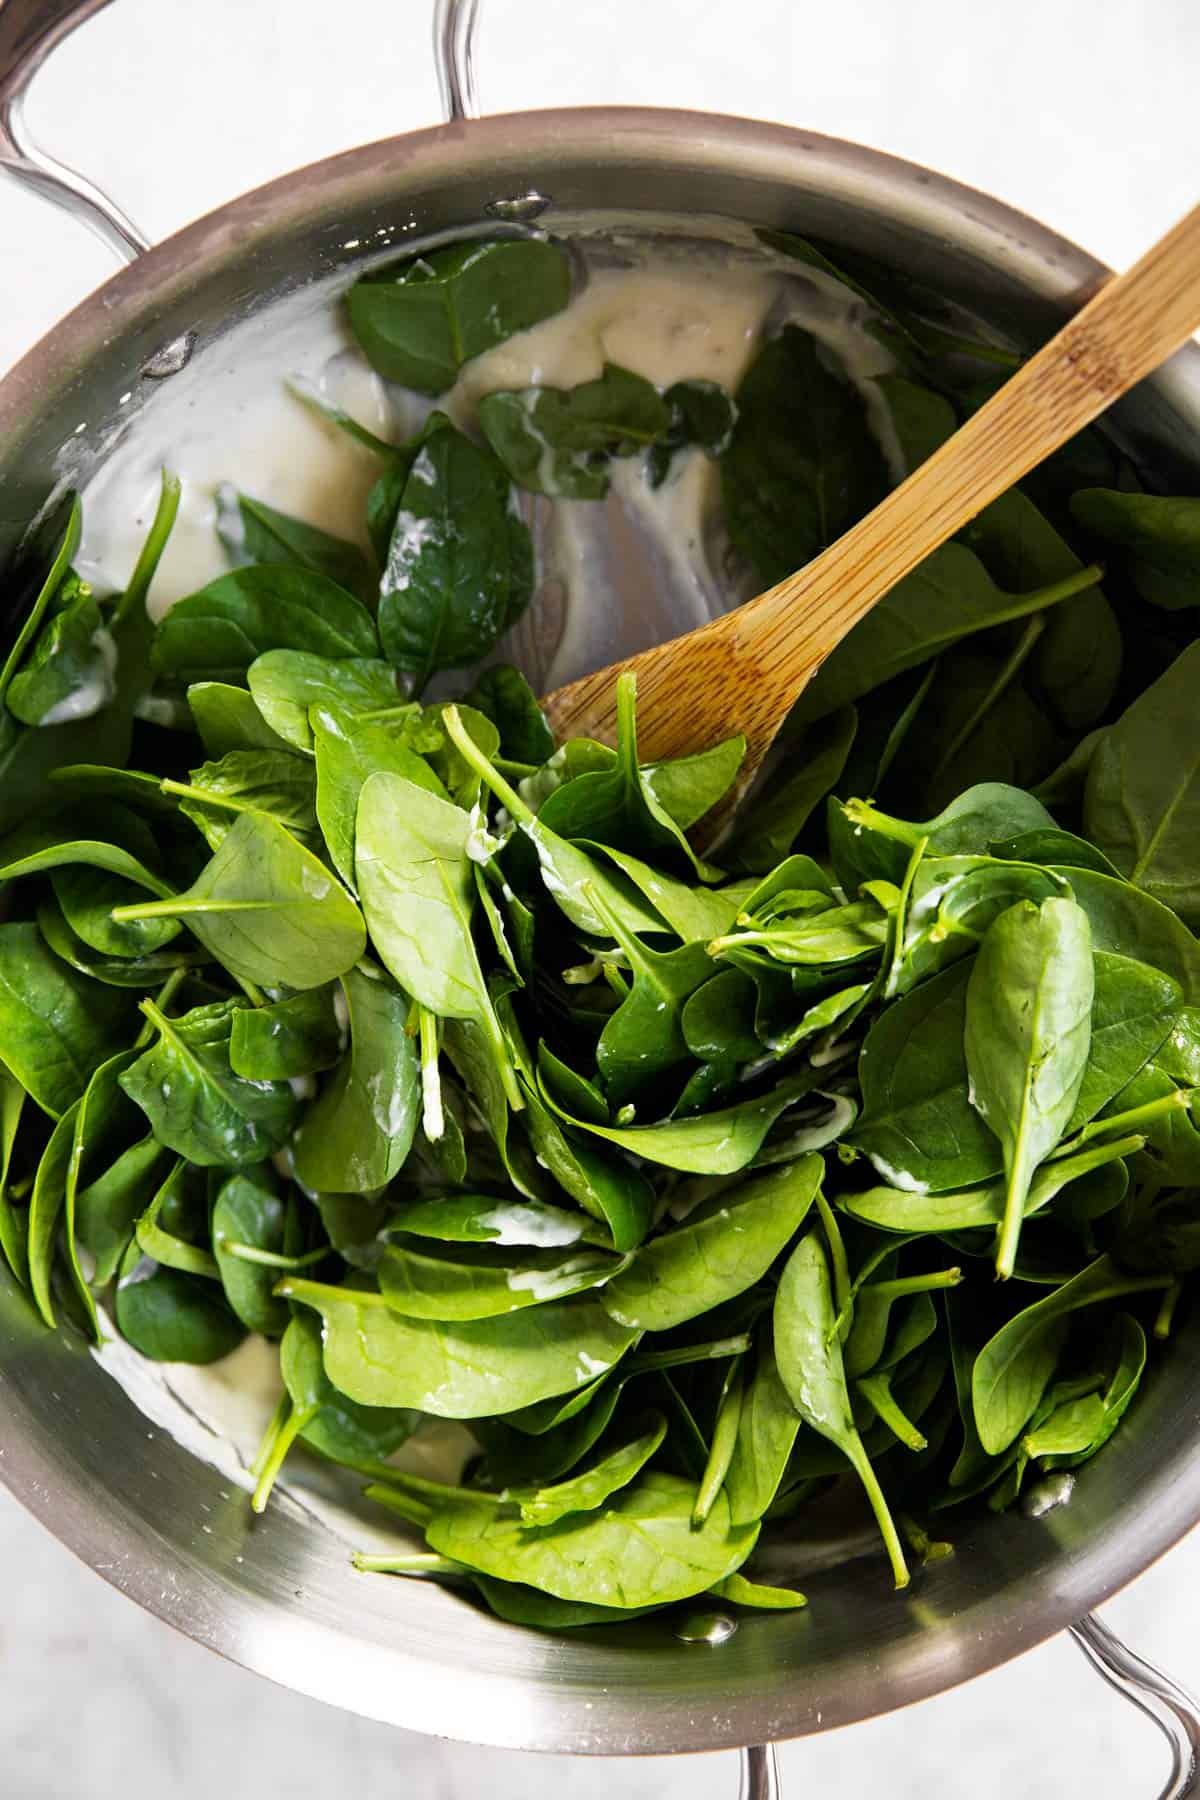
(744, 671)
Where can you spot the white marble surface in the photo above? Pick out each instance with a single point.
(1084, 114)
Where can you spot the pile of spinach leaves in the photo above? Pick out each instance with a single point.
(436, 1054)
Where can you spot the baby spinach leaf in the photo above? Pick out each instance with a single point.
(558, 441)
(828, 935)
(348, 750)
(1027, 1033)
(70, 671)
(918, 1126)
(893, 1209)
(13, 1227)
(470, 1281)
(1128, 922)
(722, 1248)
(702, 418)
(604, 1183)
(42, 567)
(172, 1317)
(286, 683)
(260, 534)
(459, 567)
(1050, 845)
(774, 818)
(249, 1215)
(196, 1104)
(39, 849)
(415, 877)
(1013, 1368)
(488, 1219)
(140, 972)
(765, 1596)
(166, 1246)
(641, 1549)
(45, 1210)
(588, 1490)
(802, 464)
(56, 1026)
(620, 806)
(1142, 798)
(421, 320)
(724, 1438)
(276, 782)
(267, 909)
(809, 1357)
(504, 696)
(316, 1412)
(687, 787)
(643, 1039)
(715, 1143)
(947, 598)
(287, 1039)
(1161, 536)
(1133, 1010)
(968, 826)
(356, 1135)
(108, 1208)
(216, 633)
(567, 870)
(768, 1425)
(227, 718)
(717, 1020)
(693, 913)
(462, 1370)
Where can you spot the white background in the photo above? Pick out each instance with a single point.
(1081, 111)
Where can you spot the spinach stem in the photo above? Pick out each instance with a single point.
(281, 1436)
(686, 1353)
(417, 1512)
(433, 1118)
(146, 567)
(1134, 1119)
(1003, 679)
(279, 1418)
(843, 1292)
(854, 1449)
(475, 760)
(915, 1284)
(724, 1437)
(877, 1391)
(428, 1563)
(1166, 1312)
(272, 1259)
(186, 791)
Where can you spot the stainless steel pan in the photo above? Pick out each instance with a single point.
(277, 1594)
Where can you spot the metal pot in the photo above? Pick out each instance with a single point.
(165, 1527)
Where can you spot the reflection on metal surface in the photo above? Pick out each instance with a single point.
(710, 1628)
(171, 358)
(1172, 1709)
(1053, 1490)
(29, 31)
(760, 1774)
(455, 23)
(519, 209)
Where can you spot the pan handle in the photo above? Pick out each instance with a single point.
(1172, 1709)
(29, 31)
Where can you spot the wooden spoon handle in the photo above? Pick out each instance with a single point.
(743, 671)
